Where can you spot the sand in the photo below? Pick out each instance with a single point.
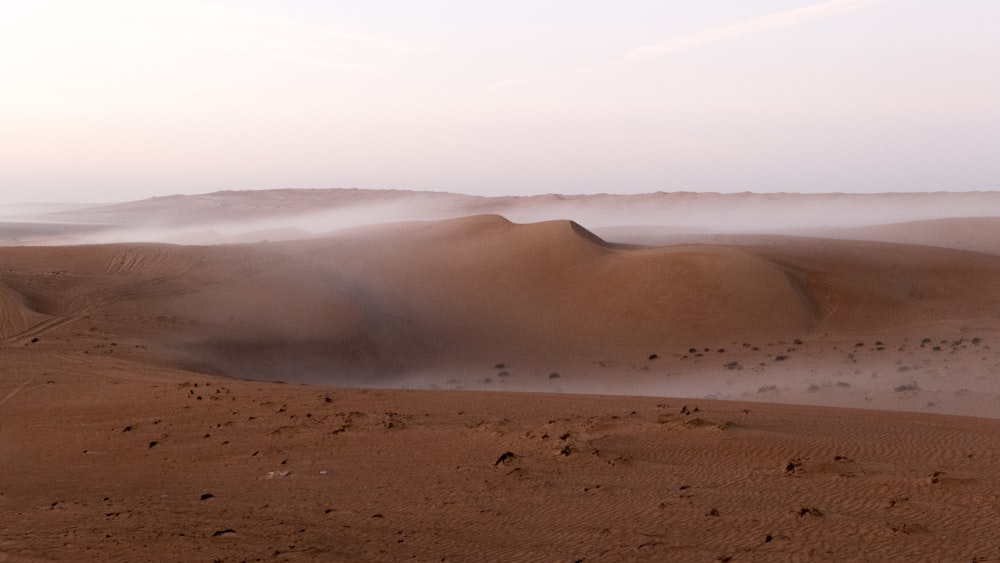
(474, 388)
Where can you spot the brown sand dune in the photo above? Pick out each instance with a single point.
(440, 303)
(488, 288)
(459, 290)
(116, 444)
(975, 234)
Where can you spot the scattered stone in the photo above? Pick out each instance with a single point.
(793, 466)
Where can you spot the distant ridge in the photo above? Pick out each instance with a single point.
(324, 210)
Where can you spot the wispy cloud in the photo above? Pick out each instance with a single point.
(704, 37)
(761, 24)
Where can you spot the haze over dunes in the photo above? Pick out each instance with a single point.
(251, 216)
(880, 301)
(439, 302)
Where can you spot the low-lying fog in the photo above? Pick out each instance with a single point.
(249, 216)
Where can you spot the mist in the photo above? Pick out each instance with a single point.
(724, 296)
(665, 218)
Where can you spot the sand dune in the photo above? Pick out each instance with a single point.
(975, 234)
(430, 304)
(139, 414)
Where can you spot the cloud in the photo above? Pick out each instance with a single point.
(707, 36)
(761, 24)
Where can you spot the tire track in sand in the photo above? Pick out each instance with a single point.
(37, 330)
(16, 390)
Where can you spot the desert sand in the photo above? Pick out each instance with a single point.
(355, 375)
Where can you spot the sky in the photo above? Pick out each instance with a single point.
(112, 100)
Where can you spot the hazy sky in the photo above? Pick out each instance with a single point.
(123, 99)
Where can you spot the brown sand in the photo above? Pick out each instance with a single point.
(108, 462)
(118, 444)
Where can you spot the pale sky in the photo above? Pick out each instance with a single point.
(104, 100)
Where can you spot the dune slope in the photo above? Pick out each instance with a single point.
(375, 305)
